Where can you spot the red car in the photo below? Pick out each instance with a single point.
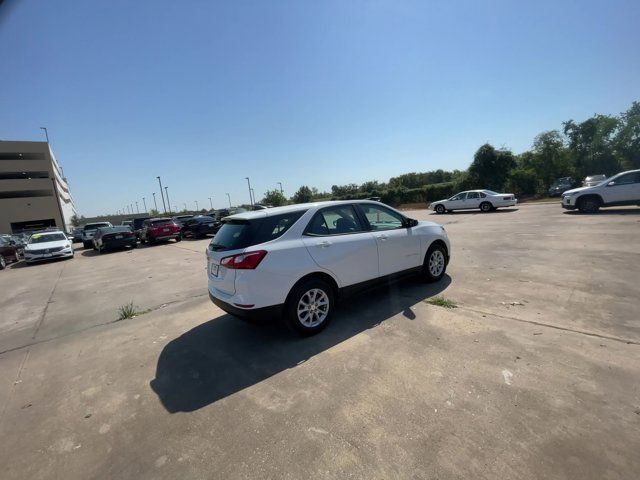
(9, 252)
(159, 229)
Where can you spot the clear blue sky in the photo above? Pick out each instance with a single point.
(205, 93)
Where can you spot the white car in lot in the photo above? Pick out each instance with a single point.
(621, 189)
(47, 246)
(485, 200)
(89, 230)
(295, 261)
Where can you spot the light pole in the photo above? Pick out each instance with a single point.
(154, 201)
(137, 209)
(185, 206)
(196, 205)
(166, 189)
(250, 196)
(229, 197)
(211, 203)
(144, 202)
(164, 207)
(281, 190)
(253, 194)
(46, 133)
(132, 209)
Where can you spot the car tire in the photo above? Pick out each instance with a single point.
(440, 209)
(3, 263)
(588, 205)
(179, 238)
(435, 263)
(486, 207)
(86, 245)
(305, 311)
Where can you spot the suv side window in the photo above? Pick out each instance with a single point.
(381, 218)
(627, 179)
(336, 220)
(274, 226)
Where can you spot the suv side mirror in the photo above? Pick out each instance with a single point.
(410, 222)
(611, 183)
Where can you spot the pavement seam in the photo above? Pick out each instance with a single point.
(46, 307)
(556, 327)
(152, 309)
(13, 386)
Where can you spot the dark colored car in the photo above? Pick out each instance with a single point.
(200, 226)
(561, 185)
(158, 229)
(9, 252)
(76, 235)
(181, 219)
(113, 238)
(136, 225)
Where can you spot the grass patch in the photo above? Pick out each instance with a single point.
(440, 301)
(129, 311)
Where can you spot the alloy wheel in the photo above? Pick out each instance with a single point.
(436, 263)
(313, 307)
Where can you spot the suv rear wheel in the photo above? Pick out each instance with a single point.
(310, 307)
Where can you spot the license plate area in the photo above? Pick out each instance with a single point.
(118, 237)
(215, 268)
(165, 230)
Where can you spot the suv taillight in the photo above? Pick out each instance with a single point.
(244, 261)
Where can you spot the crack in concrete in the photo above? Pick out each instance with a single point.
(151, 309)
(46, 307)
(556, 327)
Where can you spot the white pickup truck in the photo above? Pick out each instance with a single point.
(621, 189)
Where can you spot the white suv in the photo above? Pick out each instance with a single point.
(621, 189)
(295, 261)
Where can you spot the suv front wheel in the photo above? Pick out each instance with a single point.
(589, 205)
(310, 307)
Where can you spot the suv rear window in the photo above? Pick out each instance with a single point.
(95, 226)
(155, 223)
(236, 234)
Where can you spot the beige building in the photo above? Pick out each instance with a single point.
(33, 191)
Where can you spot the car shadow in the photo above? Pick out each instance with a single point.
(225, 355)
(607, 211)
(476, 211)
(94, 253)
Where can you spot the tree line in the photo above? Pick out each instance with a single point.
(602, 144)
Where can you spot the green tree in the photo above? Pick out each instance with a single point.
(303, 195)
(627, 139)
(76, 220)
(490, 167)
(591, 145)
(274, 198)
(154, 213)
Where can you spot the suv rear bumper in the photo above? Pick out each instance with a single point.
(264, 313)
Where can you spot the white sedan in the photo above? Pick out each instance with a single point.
(47, 246)
(485, 200)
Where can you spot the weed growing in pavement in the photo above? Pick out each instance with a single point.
(440, 301)
(129, 311)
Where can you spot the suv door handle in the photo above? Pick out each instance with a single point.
(323, 244)
(381, 237)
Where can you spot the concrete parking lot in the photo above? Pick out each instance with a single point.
(535, 374)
